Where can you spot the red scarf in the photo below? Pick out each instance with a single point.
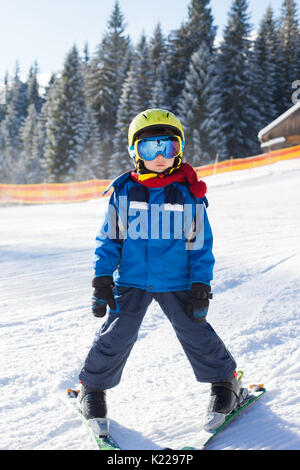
(185, 174)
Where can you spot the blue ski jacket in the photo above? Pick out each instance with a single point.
(155, 239)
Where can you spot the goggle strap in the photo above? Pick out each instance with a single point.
(131, 151)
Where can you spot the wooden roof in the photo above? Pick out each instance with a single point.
(282, 132)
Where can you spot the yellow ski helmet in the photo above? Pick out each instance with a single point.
(154, 118)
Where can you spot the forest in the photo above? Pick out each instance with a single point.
(223, 90)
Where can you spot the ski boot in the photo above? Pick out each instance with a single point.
(92, 404)
(226, 397)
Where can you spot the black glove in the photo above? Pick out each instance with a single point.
(103, 295)
(198, 302)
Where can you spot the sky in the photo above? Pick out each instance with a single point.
(45, 30)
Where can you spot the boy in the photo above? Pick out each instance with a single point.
(167, 256)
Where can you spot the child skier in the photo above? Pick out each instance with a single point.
(171, 262)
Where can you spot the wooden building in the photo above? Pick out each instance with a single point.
(283, 132)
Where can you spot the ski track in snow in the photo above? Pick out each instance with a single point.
(46, 327)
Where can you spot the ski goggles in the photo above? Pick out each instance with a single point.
(170, 146)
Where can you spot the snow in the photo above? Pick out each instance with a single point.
(46, 327)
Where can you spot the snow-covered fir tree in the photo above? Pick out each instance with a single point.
(106, 75)
(11, 153)
(160, 95)
(178, 62)
(128, 108)
(200, 24)
(2, 147)
(39, 145)
(2, 109)
(200, 110)
(86, 54)
(86, 68)
(289, 53)
(3, 89)
(158, 49)
(48, 86)
(144, 73)
(265, 70)
(92, 161)
(66, 121)
(183, 42)
(31, 165)
(3, 97)
(33, 94)
(238, 104)
(40, 135)
(18, 94)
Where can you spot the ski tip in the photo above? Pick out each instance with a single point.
(72, 393)
(257, 387)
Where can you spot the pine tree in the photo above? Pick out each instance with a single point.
(92, 162)
(11, 152)
(158, 50)
(39, 144)
(238, 104)
(178, 63)
(18, 94)
(47, 88)
(86, 54)
(66, 121)
(160, 93)
(289, 36)
(200, 25)
(2, 109)
(200, 110)
(160, 96)
(265, 70)
(183, 42)
(33, 95)
(2, 143)
(31, 165)
(144, 74)
(86, 69)
(15, 114)
(127, 110)
(3, 98)
(106, 75)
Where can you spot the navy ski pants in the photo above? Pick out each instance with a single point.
(207, 354)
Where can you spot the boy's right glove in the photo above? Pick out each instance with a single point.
(198, 302)
(103, 295)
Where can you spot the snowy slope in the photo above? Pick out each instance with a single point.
(46, 327)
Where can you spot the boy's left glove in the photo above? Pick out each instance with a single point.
(198, 302)
(103, 295)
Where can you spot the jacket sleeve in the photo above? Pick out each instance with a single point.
(201, 258)
(108, 242)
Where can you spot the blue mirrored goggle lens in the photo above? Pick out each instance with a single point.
(151, 147)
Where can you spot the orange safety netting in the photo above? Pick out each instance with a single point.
(249, 162)
(44, 193)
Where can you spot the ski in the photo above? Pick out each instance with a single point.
(206, 437)
(98, 428)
